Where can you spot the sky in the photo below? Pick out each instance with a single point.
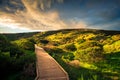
(42, 15)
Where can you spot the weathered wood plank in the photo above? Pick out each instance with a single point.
(47, 67)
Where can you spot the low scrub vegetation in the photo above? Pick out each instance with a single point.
(17, 59)
(85, 54)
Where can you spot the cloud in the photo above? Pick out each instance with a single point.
(76, 23)
(10, 6)
(34, 18)
(59, 14)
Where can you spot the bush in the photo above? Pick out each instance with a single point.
(87, 44)
(90, 55)
(68, 57)
(56, 50)
(116, 37)
(115, 47)
(70, 47)
(44, 41)
(4, 43)
(81, 41)
(16, 51)
(107, 41)
(25, 44)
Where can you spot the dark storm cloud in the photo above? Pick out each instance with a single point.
(94, 12)
(11, 5)
(105, 9)
(108, 15)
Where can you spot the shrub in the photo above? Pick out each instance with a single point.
(89, 36)
(44, 41)
(68, 57)
(115, 47)
(90, 55)
(108, 41)
(87, 44)
(56, 50)
(25, 44)
(4, 43)
(116, 37)
(81, 41)
(70, 47)
(16, 51)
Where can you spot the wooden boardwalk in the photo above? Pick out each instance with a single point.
(47, 68)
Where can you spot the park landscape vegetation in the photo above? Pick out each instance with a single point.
(86, 54)
(17, 58)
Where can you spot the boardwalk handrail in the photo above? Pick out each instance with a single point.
(37, 70)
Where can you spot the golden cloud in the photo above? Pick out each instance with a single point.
(36, 19)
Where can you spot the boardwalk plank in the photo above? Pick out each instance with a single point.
(47, 67)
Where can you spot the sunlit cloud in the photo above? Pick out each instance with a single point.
(8, 23)
(33, 18)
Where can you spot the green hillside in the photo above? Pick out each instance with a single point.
(85, 54)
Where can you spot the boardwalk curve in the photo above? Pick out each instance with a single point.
(47, 68)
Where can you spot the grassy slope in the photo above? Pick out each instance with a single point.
(84, 54)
